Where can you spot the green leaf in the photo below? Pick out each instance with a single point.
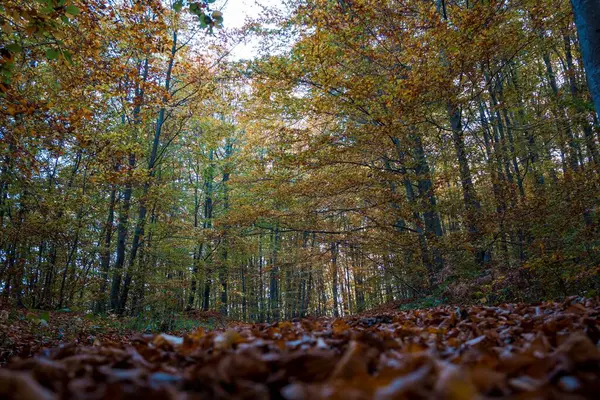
(72, 10)
(45, 316)
(178, 5)
(14, 48)
(210, 1)
(6, 73)
(203, 23)
(47, 10)
(68, 56)
(52, 54)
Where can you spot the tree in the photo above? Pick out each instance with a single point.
(587, 15)
(371, 152)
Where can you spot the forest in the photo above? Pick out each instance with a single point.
(363, 168)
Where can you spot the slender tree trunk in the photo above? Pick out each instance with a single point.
(334, 273)
(207, 223)
(261, 285)
(274, 278)
(400, 224)
(142, 211)
(244, 292)
(433, 226)
(570, 139)
(197, 251)
(105, 252)
(532, 150)
(495, 174)
(470, 199)
(72, 254)
(123, 224)
(223, 270)
(122, 227)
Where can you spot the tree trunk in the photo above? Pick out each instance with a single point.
(334, 273)
(141, 220)
(588, 132)
(223, 270)
(274, 278)
(207, 223)
(105, 252)
(400, 224)
(587, 20)
(123, 224)
(572, 153)
(471, 202)
(470, 199)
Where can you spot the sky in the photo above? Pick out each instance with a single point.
(235, 13)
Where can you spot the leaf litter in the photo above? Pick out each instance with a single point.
(512, 351)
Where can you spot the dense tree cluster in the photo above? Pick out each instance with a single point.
(376, 151)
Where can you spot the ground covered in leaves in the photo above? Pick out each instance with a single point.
(548, 350)
(24, 333)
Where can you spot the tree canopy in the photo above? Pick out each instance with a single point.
(371, 151)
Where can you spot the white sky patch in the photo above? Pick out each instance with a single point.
(236, 13)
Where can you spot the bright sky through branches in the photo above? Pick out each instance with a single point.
(235, 13)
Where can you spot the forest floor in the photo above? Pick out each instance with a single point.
(549, 350)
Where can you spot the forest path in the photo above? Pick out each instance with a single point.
(549, 350)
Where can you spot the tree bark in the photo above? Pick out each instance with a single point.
(587, 21)
(105, 252)
(142, 211)
(123, 224)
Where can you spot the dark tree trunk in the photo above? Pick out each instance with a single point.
(105, 252)
(470, 199)
(123, 225)
(274, 278)
(141, 220)
(334, 272)
(223, 269)
(570, 139)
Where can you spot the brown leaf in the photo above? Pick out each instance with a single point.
(227, 339)
(400, 386)
(353, 364)
(339, 326)
(19, 385)
(164, 339)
